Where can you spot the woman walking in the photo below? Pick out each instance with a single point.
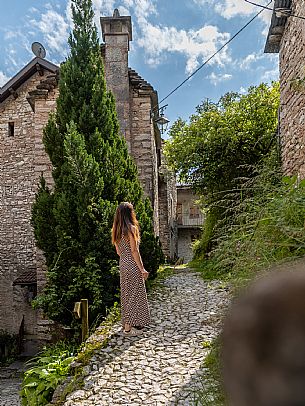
(126, 238)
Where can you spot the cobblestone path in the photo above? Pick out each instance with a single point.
(9, 392)
(160, 366)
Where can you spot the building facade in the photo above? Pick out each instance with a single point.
(25, 103)
(287, 38)
(189, 221)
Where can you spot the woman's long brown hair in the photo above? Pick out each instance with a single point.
(125, 222)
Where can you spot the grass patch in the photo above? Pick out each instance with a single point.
(209, 391)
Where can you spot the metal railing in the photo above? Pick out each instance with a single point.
(187, 220)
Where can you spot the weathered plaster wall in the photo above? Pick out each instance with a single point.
(292, 110)
(189, 221)
(185, 237)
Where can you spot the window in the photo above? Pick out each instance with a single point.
(11, 129)
(194, 212)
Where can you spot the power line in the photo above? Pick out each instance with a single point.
(283, 12)
(215, 53)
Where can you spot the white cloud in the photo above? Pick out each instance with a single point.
(10, 34)
(33, 10)
(194, 45)
(144, 8)
(55, 29)
(11, 55)
(270, 75)
(69, 14)
(237, 8)
(247, 62)
(156, 40)
(242, 90)
(3, 78)
(105, 7)
(232, 8)
(218, 78)
(141, 8)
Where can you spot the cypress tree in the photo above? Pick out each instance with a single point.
(92, 174)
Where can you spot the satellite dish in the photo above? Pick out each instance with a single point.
(38, 49)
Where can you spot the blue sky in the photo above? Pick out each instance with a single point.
(170, 40)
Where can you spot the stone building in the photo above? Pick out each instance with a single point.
(25, 103)
(287, 38)
(189, 221)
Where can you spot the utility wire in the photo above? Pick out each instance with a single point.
(215, 53)
(278, 9)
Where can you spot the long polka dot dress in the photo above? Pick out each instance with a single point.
(134, 304)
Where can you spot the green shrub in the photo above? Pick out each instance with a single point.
(204, 245)
(48, 370)
(218, 148)
(267, 226)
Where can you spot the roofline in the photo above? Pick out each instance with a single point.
(24, 74)
(277, 27)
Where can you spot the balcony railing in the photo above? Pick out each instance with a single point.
(188, 221)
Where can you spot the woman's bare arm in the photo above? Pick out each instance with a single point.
(136, 255)
(117, 250)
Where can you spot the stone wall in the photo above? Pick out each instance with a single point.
(43, 106)
(292, 110)
(115, 55)
(18, 184)
(143, 148)
(167, 210)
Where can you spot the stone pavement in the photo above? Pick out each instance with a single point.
(162, 365)
(10, 383)
(9, 392)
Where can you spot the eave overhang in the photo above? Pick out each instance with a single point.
(35, 65)
(277, 27)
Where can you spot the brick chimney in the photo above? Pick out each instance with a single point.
(117, 32)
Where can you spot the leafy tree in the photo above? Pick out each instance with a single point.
(92, 173)
(220, 145)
